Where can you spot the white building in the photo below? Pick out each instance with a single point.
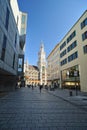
(12, 43)
(42, 65)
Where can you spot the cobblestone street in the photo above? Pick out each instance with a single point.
(27, 109)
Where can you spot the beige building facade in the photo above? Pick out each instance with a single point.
(31, 73)
(73, 56)
(53, 67)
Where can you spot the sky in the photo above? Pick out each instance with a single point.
(48, 22)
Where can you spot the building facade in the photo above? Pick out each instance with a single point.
(31, 73)
(10, 48)
(73, 56)
(42, 65)
(21, 22)
(53, 67)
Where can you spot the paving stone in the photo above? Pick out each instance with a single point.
(29, 110)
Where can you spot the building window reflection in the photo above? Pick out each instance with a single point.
(20, 64)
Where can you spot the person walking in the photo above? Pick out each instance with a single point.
(40, 87)
(32, 87)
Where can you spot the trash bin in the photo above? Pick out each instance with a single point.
(70, 93)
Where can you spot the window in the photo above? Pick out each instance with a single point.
(63, 62)
(63, 53)
(72, 46)
(84, 36)
(3, 48)
(85, 49)
(84, 23)
(22, 31)
(73, 56)
(13, 60)
(7, 19)
(63, 45)
(23, 19)
(71, 36)
(3, 54)
(15, 39)
(20, 64)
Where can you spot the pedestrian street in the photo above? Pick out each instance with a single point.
(27, 109)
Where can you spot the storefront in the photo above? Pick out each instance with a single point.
(71, 78)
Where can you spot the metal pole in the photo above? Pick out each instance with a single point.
(76, 87)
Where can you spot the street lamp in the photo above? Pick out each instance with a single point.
(67, 73)
(70, 91)
(76, 75)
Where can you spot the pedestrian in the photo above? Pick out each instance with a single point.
(40, 87)
(16, 86)
(32, 87)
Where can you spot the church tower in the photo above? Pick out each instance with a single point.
(42, 65)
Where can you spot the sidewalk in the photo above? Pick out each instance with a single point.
(2, 94)
(79, 100)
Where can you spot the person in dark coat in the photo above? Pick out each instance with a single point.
(40, 87)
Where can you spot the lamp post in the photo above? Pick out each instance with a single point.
(75, 75)
(70, 91)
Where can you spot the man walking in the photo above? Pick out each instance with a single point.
(40, 87)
